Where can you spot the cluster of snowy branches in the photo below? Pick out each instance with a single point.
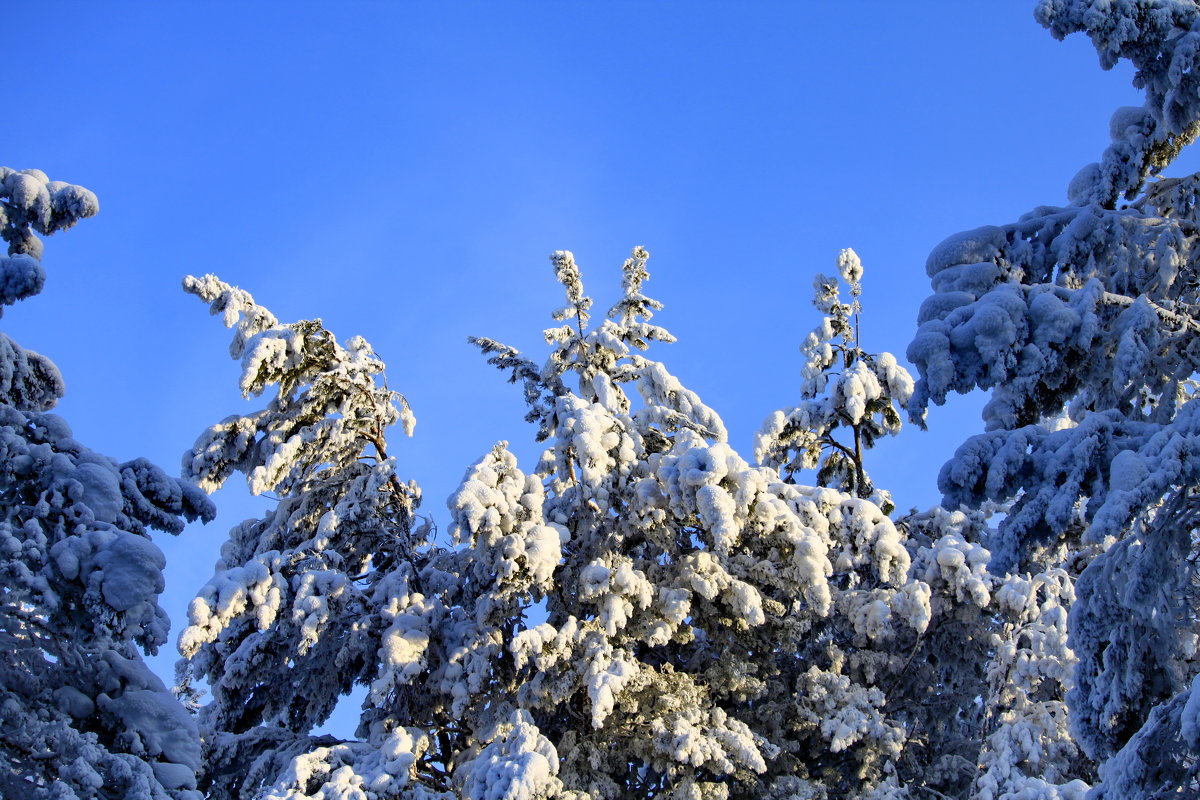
(645, 613)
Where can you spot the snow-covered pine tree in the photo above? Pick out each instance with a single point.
(645, 615)
(844, 388)
(709, 631)
(979, 689)
(1082, 322)
(81, 715)
(336, 586)
(315, 596)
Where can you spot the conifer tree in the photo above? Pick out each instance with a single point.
(636, 617)
(304, 603)
(979, 688)
(81, 715)
(1081, 321)
(644, 614)
(844, 387)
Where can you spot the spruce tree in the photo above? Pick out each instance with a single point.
(81, 715)
(1081, 322)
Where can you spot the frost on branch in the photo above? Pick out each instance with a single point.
(516, 763)
(1135, 654)
(326, 402)
(504, 564)
(712, 630)
(82, 716)
(644, 614)
(1081, 314)
(1161, 757)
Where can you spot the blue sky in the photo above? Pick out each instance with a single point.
(402, 171)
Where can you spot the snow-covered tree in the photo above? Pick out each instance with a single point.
(313, 597)
(644, 615)
(980, 693)
(844, 388)
(81, 715)
(712, 630)
(1082, 322)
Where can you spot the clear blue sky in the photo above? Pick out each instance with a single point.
(402, 170)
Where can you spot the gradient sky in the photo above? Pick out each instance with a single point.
(402, 171)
